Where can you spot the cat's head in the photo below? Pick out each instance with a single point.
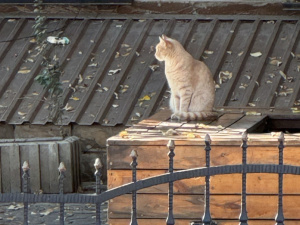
(163, 48)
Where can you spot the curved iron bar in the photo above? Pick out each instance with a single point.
(161, 179)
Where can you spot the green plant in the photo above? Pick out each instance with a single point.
(39, 28)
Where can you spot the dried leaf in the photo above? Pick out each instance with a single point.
(138, 114)
(35, 93)
(224, 76)
(106, 121)
(170, 132)
(123, 133)
(125, 46)
(126, 54)
(253, 113)
(117, 55)
(137, 54)
(116, 95)
(248, 77)
(241, 53)
(24, 71)
(292, 54)
(298, 68)
(22, 113)
(68, 107)
(275, 62)
(105, 88)
(208, 52)
(115, 105)
(217, 86)
(282, 74)
(80, 52)
(145, 98)
(251, 104)
(89, 77)
(119, 25)
(112, 72)
(256, 54)
(103, 50)
(153, 67)
(269, 82)
(80, 79)
(243, 86)
(75, 98)
(271, 75)
(229, 52)
(93, 65)
(190, 135)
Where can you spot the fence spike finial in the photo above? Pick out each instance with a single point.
(207, 138)
(133, 154)
(245, 136)
(281, 137)
(25, 166)
(98, 164)
(171, 144)
(62, 167)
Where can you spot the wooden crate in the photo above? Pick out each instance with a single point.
(44, 156)
(148, 140)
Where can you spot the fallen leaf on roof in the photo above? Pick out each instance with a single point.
(229, 52)
(269, 82)
(208, 52)
(190, 135)
(253, 113)
(80, 79)
(169, 132)
(137, 54)
(251, 104)
(80, 52)
(46, 212)
(282, 74)
(115, 105)
(112, 72)
(22, 113)
(126, 54)
(243, 86)
(295, 110)
(241, 53)
(275, 62)
(145, 98)
(271, 75)
(224, 76)
(75, 98)
(153, 67)
(123, 133)
(24, 71)
(271, 21)
(298, 68)
(35, 93)
(30, 60)
(116, 95)
(106, 121)
(248, 76)
(138, 114)
(103, 50)
(119, 25)
(125, 45)
(117, 55)
(89, 77)
(93, 65)
(256, 54)
(33, 40)
(68, 107)
(105, 88)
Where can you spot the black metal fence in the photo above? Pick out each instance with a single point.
(170, 177)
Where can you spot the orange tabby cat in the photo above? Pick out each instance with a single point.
(190, 80)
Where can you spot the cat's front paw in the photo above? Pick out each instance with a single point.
(175, 116)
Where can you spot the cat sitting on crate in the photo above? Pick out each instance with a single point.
(191, 82)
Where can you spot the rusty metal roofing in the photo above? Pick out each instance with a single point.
(111, 76)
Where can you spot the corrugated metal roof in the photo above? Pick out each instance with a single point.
(125, 43)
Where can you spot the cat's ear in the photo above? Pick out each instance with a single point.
(165, 40)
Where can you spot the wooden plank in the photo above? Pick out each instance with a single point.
(151, 221)
(5, 168)
(222, 206)
(34, 163)
(53, 167)
(186, 156)
(248, 123)
(45, 169)
(15, 168)
(257, 183)
(226, 120)
(65, 156)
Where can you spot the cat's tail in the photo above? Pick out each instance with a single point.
(203, 115)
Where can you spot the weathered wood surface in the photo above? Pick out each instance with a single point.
(261, 183)
(186, 157)
(188, 221)
(192, 206)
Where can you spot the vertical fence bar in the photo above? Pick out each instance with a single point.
(62, 169)
(133, 164)
(206, 219)
(98, 166)
(170, 219)
(279, 217)
(243, 215)
(25, 177)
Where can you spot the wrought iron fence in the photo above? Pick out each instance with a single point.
(170, 177)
